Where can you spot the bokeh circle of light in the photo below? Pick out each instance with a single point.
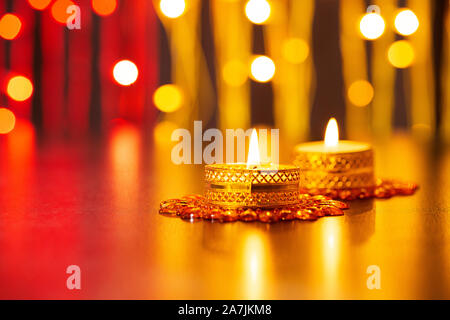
(168, 98)
(59, 10)
(262, 69)
(406, 22)
(360, 93)
(125, 72)
(162, 133)
(104, 7)
(7, 121)
(257, 11)
(295, 50)
(39, 4)
(235, 73)
(172, 8)
(10, 26)
(401, 54)
(19, 88)
(372, 26)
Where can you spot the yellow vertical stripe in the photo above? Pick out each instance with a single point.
(292, 82)
(354, 65)
(383, 73)
(232, 36)
(445, 79)
(422, 84)
(187, 58)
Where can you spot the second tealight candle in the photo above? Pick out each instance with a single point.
(332, 166)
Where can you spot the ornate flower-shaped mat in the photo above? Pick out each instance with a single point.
(312, 204)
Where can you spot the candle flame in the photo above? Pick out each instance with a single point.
(253, 151)
(332, 133)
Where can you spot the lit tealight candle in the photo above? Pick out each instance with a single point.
(333, 166)
(252, 184)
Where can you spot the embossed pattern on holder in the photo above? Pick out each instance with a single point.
(335, 170)
(234, 185)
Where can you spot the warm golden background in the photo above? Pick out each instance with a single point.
(374, 76)
(196, 61)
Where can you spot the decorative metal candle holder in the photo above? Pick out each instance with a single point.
(344, 175)
(235, 185)
(338, 170)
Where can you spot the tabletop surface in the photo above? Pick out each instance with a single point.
(95, 205)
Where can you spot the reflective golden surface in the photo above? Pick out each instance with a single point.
(96, 206)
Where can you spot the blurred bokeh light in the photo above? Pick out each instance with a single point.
(172, 8)
(295, 50)
(104, 7)
(162, 132)
(39, 4)
(406, 22)
(262, 69)
(168, 98)
(372, 26)
(59, 10)
(125, 72)
(19, 88)
(10, 26)
(257, 11)
(235, 73)
(401, 54)
(360, 93)
(7, 121)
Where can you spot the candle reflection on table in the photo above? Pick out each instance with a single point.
(331, 256)
(255, 263)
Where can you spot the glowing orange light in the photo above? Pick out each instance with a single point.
(125, 72)
(7, 121)
(172, 8)
(125, 145)
(262, 69)
(295, 50)
(9, 26)
(235, 73)
(104, 7)
(332, 133)
(360, 93)
(19, 88)
(406, 22)
(257, 11)
(372, 26)
(59, 10)
(39, 4)
(168, 98)
(162, 132)
(253, 151)
(401, 54)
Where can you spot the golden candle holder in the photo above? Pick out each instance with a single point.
(335, 170)
(236, 185)
(343, 169)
